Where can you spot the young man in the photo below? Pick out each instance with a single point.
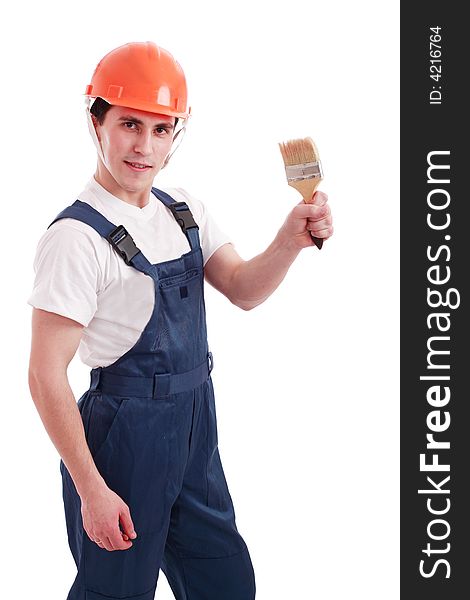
(119, 276)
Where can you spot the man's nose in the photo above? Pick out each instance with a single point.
(144, 143)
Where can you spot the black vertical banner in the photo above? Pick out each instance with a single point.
(435, 267)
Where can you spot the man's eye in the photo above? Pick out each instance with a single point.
(129, 124)
(161, 130)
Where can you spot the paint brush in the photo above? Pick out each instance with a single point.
(303, 170)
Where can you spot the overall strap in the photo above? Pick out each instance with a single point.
(182, 215)
(118, 236)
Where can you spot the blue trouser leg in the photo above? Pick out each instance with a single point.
(132, 441)
(205, 557)
(227, 578)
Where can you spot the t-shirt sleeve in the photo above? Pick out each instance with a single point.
(67, 274)
(211, 235)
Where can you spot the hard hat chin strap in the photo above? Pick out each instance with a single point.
(179, 134)
(92, 130)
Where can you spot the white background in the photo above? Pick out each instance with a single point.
(306, 384)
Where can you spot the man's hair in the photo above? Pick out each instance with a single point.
(100, 107)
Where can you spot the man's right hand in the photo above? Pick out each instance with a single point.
(102, 511)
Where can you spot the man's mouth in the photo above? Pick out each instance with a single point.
(137, 166)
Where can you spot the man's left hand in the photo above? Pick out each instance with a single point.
(306, 220)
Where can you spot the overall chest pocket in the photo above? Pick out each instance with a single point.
(181, 326)
(180, 279)
(181, 299)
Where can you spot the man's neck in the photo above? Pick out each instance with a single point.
(107, 181)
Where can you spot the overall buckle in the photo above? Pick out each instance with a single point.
(123, 243)
(183, 215)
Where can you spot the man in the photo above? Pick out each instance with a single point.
(119, 276)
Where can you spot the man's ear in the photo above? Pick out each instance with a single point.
(96, 125)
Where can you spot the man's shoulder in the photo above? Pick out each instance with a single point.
(72, 234)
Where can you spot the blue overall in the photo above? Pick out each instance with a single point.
(150, 423)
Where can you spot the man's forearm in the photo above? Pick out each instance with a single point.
(256, 279)
(248, 283)
(58, 410)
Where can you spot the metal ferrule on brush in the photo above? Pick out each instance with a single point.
(310, 170)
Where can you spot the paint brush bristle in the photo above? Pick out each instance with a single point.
(300, 151)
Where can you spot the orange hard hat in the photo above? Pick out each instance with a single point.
(143, 76)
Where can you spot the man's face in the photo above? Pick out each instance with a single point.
(135, 144)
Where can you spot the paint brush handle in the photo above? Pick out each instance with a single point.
(307, 188)
(317, 241)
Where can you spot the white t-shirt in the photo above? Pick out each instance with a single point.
(80, 276)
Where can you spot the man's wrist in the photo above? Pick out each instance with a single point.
(287, 245)
(88, 481)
